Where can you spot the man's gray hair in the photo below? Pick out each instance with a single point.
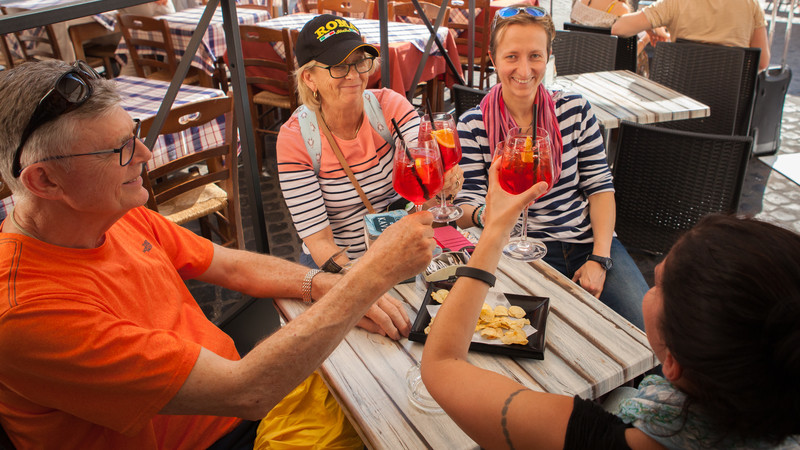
(21, 89)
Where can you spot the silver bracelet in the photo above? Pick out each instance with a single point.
(306, 287)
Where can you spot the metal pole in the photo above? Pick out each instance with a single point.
(252, 173)
(383, 16)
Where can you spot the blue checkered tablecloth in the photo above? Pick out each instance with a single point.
(398, 32)
(107, 19)
(183, 23)
(141, 98)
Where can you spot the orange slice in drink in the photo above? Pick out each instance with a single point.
(444, 137)
(527, 154)
(422, 170)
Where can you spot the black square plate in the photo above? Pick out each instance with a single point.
(536, 310)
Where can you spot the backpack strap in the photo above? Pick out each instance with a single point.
(376, 119)
(310, 131)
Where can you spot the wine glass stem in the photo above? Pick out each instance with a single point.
(419, 207)
(443, 199)
(524, 237)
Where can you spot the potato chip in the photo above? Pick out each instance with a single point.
(500, 310)
(440, 295)
(516, 312)
(487, 314)
(514, 336)
(491, 333)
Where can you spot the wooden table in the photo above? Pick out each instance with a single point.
(623, 95)
(590, 350)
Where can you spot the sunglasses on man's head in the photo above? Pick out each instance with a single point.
(70, 91)
(511, 11)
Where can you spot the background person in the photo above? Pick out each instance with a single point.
(736, 23)
(327, 211)
(576, 218)
(722, 318)
(102, 344)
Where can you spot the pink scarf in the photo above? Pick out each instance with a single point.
(498, 121)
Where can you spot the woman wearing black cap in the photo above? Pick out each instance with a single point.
(327, 209)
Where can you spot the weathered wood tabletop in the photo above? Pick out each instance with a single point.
(623, 95)
(590, 350)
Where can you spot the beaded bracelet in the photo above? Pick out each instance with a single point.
(476, 219)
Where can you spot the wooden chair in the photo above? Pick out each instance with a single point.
(152, 66)
(579, 52)
(478, 35)
(347, 8)
(8, 61)
(270, 79)
(724, 78)
(95, 54)
(202, 184)
(666, 180)
(305, 6)
(37, 44)
(404, 11)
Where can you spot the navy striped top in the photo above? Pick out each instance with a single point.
(562, 214)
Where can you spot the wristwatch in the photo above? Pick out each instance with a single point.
(604, 262)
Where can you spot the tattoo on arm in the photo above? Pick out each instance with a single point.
(504, 422)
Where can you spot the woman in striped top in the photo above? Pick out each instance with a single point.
(576, 218)
(327, 211)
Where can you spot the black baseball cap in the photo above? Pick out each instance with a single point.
(330, 40)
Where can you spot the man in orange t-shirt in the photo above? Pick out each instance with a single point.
(102, 345)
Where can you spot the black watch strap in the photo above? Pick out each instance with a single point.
(603, 261)
(478, 274)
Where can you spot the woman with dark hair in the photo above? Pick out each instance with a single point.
(723, 318)
(576, 218)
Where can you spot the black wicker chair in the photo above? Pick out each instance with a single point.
(666, 180)
(465, 97)
(724, 78)
(579, 52)
(626, 47)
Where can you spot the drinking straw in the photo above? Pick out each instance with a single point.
(410, 158)
(430, 113)
(533, 124)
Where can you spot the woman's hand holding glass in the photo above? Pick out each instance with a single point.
(525, 160)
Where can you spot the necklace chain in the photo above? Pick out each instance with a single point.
(19, 227)
(358, 128)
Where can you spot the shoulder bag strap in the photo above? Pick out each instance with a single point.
(346, 166)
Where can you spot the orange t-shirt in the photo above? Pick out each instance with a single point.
(94, 342)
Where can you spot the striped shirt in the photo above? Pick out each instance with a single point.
(329, 198)
(562, 214)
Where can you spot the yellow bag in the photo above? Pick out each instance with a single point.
(310, 418)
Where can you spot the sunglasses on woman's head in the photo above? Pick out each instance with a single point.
(511, 11)
(70, 91)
